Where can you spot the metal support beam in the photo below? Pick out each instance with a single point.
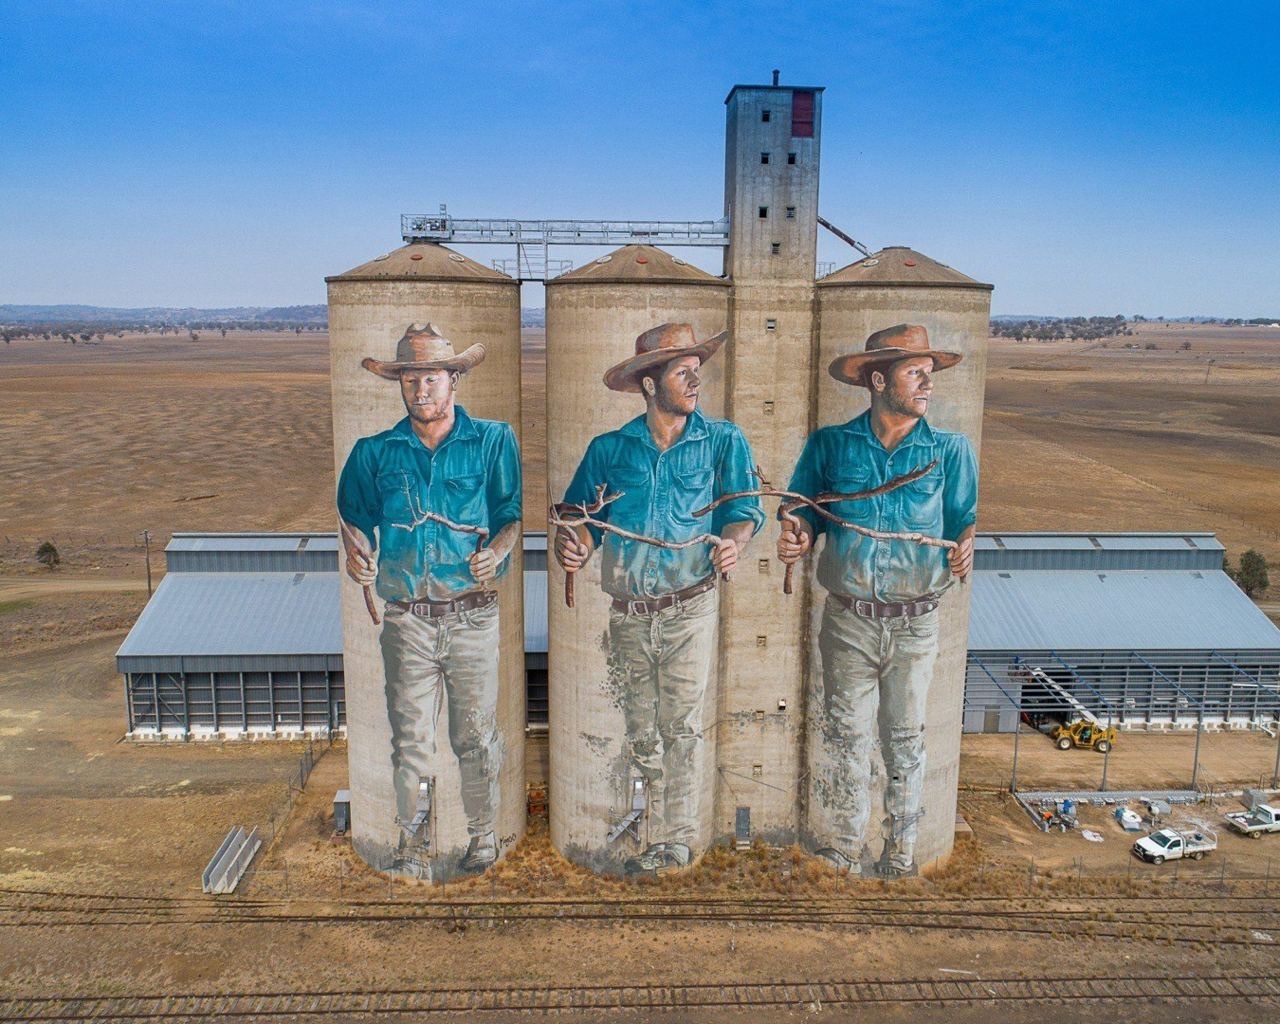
(442, 227)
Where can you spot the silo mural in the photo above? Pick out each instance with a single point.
(891, 481)
(429, 505)
(635, 350)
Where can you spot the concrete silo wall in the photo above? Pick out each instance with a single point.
(956, 318)
(593, 325)
(366, 318)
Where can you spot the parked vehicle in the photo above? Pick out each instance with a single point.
(1170, 844)
(1083, 733)
(1263, 818)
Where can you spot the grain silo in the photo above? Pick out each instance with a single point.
(610, 784)
(443, 792)
(908, 821)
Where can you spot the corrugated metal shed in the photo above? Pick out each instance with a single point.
(237, 615)
(535, 593)
(1125, 610)
(252, 552)
(1098, 551)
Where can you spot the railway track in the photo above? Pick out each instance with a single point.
(371, 1004)
(1253, 922)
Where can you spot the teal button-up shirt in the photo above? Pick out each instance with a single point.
(660, 491)
(473, 477)
(943, 503)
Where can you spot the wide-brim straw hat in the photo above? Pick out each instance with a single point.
(660, 345)
(424, 348)
(902, 341)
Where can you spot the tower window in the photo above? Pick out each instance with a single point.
(764, 116)
(791, 213)
(775, 248)
(771, 325)
(802, 115)
(791, 158)
(764, 212)
(764, 158)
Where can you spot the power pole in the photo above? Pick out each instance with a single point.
(146, 543)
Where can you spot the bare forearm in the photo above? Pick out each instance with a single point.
(505, 540)
(739, 533)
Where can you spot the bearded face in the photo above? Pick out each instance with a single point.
(428, 394)
(676, 391)
(906, 388)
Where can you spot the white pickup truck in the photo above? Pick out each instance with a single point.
(1263, 818)
(1169, 844)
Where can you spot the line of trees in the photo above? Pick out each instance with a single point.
(1067, 328)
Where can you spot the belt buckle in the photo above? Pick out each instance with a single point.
(637, 607)
(866, 609)
(419, 608)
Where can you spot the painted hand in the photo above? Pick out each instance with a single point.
(725, 556)
(571, 553)
(484, 565)
(360, 567)
(961, 557)
(793, 543)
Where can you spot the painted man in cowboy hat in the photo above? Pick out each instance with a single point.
(879, 636)
(665, 464)
(441, 629)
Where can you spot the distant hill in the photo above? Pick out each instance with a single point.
(533, 316)
(79, 314)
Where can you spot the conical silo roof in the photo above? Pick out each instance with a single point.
(422, 261)
(640, 264)
(897, 266)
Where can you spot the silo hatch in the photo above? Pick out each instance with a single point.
(742, 828)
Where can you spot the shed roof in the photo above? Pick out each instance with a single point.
(244, 614)
(1098, 541)
(898, 266)
(1053, 609)
(640, 264)
(422, 261)
(253, 542)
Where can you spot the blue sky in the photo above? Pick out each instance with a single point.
(1085, 158)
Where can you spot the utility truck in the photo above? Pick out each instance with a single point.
(1170, 844)
(1263, 818)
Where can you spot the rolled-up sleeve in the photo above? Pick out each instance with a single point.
(582, 488)
(735, 473)
(503, 491)
(357, 501)
(807, 480)
(959, 488)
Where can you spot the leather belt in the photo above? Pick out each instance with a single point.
(439, 609)
(649, 605)
(887, 610)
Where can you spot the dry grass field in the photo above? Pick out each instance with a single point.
(100, 442)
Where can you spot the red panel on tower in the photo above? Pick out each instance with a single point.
(802, 115)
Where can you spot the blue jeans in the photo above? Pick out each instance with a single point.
(660, 665)
(875, 681)
(427, 661)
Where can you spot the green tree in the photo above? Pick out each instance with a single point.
(47, 555)
(1252, 576)
(1226, 565)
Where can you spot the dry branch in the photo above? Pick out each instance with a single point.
(583, 515)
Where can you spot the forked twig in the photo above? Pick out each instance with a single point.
(795, 500)
(583, 514)
(420, 516)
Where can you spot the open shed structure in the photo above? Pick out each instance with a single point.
(242, 637)
(1141, 631)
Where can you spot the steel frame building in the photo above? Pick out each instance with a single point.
(241, 638)
(1141, 631)
(1144, 631)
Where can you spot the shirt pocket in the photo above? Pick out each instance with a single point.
(464, 496)
(851, 480)
(691, 491)
(634, 486)
(922, 503)
(395, 488)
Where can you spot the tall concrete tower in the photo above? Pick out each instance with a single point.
(771, 200)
